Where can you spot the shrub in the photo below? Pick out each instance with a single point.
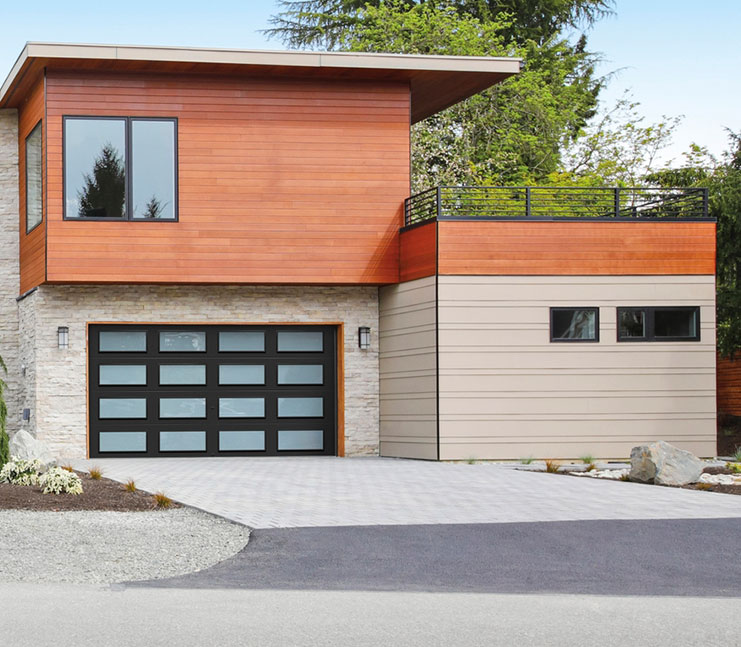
(4, 441)
(162, 501)
(527, 460)
(96, 473)
(737, 454)
(21, 472)
(58, 480)
(551, 465)
(130, 486)
(735, 467)
(587, 459)
(591, 467)
(4, 447)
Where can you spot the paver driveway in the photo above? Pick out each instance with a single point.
(325, 491)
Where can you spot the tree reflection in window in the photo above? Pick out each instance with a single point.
(574, 324)
(104, 192)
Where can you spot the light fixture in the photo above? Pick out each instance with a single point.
(63, 337)
(364, 337)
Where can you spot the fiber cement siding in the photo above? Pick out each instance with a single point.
(507, 392)
(408, 390)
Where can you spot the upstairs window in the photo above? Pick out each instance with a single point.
(120, 168)
(34, 203)
(659, 324)
(574, 324)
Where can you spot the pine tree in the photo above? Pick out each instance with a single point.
(104, 191)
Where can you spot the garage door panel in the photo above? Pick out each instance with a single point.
(174, 390)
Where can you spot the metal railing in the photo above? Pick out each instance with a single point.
(555, 203)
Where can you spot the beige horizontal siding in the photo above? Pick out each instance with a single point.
(507, 392)
(408, 367)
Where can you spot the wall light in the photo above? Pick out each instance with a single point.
(63, 337)
(364, 338)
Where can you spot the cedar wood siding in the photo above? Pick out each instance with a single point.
(32, 246)
(280, 181)
(418, 252)
(729, 386)
(576, 248)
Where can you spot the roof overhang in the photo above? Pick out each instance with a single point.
(436, 82)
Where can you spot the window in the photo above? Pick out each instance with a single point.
(34, 203)
(120, 168)
(658, 324)
(574, 324)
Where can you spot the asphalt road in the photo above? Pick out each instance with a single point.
(639, 558)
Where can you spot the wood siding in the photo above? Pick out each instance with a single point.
(507, 392)
(729, 386)
(408, 369)
(33, 245)
(576, 248)
(418, 252)
(280, 181)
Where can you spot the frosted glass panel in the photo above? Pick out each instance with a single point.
(122, 374)
(182, 441)
(123, 441)
(119, 341)
(305, 374)
(241, 342)
(300, 440)
(300, 407)
(300, 341)
(127, 408)
(241, 374)
(182, 342)
(182, 407)
(241, 441)
(241, 407)
(182, 374)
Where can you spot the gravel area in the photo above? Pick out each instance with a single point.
(92, 547)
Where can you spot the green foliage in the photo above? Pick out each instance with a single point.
(57, 480)
(527, 460)
(323, 24)
(104, 189)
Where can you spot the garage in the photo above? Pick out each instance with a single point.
(215, 390)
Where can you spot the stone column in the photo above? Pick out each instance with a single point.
(9, 264)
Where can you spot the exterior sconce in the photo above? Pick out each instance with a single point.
(364, 338)
(63, 337)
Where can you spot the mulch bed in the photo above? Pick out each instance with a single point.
(102, 494)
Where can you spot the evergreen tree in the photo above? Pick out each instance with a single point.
(104, 192)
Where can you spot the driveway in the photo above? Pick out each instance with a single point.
(323, 491)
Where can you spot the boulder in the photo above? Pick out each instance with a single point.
(23, 445)
(661, 463)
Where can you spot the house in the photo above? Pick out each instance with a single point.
(212, 252)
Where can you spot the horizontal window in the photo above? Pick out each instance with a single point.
(300, 440)
(659, 323)
(122, 341)
(300, 374)
(241, 342)
(120, 168)
(182, 374)
(241, 374)
(122, 441)
(182, 342)
(122, 375)
(182, 441)
(301, 342)
(122, 408)
(241, 407)
(300, 407)
(182, 407)
(241, 441)
(575, 324)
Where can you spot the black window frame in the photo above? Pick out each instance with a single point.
(559, 340)
(38, 126)
(650, 324)
(128, 167)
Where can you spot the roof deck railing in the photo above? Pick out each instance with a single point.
(556, 203)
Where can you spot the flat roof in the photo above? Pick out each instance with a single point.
(436, 82)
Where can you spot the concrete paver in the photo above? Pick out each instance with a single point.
(325, 491)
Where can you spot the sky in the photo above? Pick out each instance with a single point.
(678, 57)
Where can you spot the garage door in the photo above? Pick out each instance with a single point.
(170, 390)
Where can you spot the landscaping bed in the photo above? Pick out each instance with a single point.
(100, 494)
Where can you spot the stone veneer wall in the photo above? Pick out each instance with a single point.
(9, 265)
(59, 415)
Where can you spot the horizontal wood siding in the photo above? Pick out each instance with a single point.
(408, 368)
(418, 252)
(280, 181)
(508, 392)
(576, 248)
(729, 386)
(33, 245)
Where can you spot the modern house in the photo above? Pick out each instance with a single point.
(212, 252)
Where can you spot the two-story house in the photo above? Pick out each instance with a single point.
(214, 252)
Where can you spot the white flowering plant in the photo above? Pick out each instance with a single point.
(21, 472)
(57, 480)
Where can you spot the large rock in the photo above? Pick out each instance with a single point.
(24, 445)
(664, 464)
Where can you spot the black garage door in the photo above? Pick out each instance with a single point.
(162, 390)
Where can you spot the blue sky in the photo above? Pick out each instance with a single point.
(678, 57)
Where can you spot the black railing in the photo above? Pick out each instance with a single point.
(555, 203)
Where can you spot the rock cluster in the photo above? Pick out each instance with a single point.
(24, 446)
